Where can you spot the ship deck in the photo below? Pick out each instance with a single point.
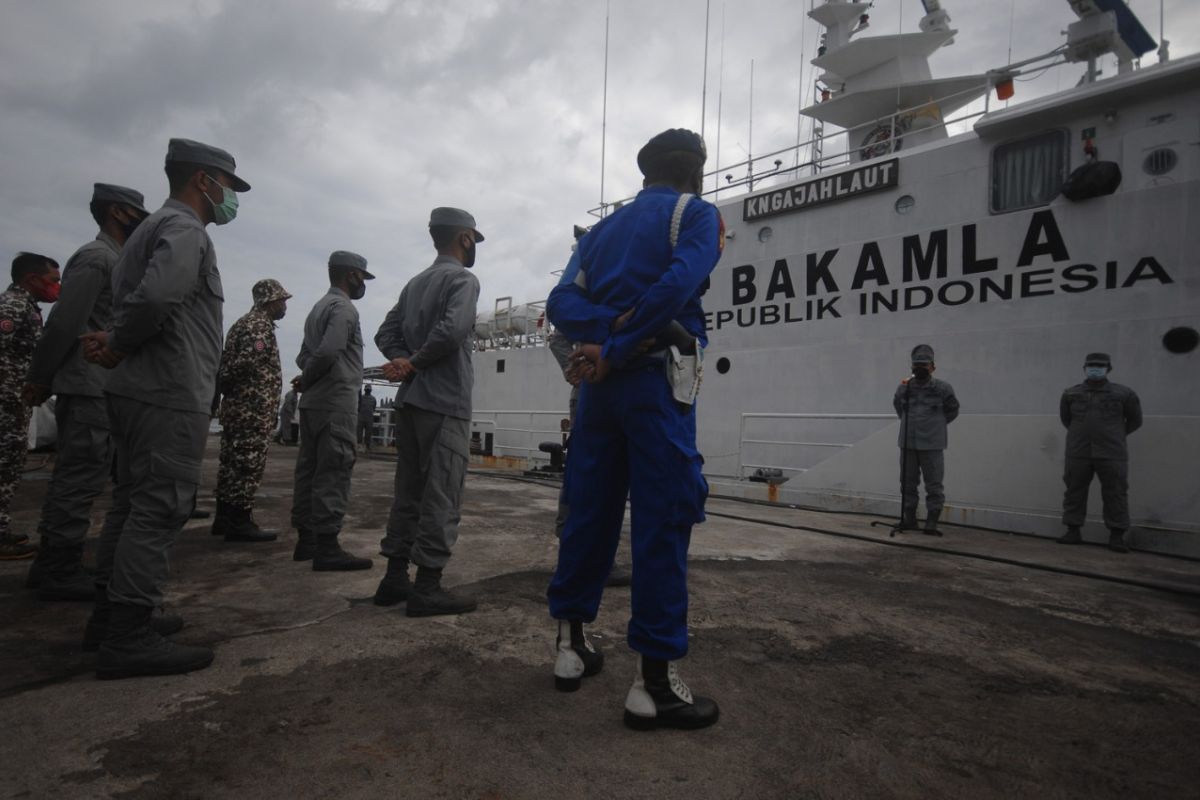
(846, 663)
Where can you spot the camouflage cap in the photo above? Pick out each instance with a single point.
(268, 289)
(1098, 359)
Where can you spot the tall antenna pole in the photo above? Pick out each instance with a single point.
(800, 97)
(704, 85)
(720, 96)
(604, 112)
(750, 140)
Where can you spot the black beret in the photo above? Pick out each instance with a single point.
(675, 139)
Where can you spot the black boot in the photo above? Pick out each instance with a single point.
(394, 587)
(132, 648)
(660, 699)
(306, 545)
(429, 599)
(577, 658)
(243, 528)
(1071, 536)
(162, 623)
(330, 557)
(931, 521)
(619, 576)
(62, 576)
(222, 522)
(1116, 540)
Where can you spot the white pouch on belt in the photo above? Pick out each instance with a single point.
(684, 373)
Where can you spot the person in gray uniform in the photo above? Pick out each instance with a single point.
(427, 341)
(331, 363)
(366, 418)
(1098, 415)
(163, 345)
(83, 455)
(925, 406)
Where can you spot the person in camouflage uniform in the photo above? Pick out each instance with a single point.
(250, 379)
(35, 279)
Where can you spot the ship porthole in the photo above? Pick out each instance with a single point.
(1181, 340)
(905, 203)
(1160, 161)
(722, 365)
(765, 233)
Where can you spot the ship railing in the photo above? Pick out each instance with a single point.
(528, 433)
(771, 165)
(744, 466)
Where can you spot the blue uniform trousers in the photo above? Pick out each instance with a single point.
(631, 438)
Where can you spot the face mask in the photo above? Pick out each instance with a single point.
(469, 258)
(1095, 373)
(224, 212)
(46, 290)
(920, 373)
(359, 290)
(129, 227)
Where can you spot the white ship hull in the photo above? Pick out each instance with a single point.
(813, 312)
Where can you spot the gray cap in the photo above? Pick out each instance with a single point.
(112, 193)
(444, 216)
(205, 155)
(922, 354)
(1099, 359)
(344, 259)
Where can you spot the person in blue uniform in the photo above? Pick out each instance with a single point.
(637, 270)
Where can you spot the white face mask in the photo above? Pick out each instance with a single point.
(1095, 373)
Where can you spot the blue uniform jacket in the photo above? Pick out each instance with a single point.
(629, 263)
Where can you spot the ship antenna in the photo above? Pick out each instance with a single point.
(604, 111)
(720, 97)
(704, 84)
(800, 97)
(750, 138)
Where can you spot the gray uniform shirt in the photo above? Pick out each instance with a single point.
(166, 317)
(432, 326)
(331, 356)
(931, 407)
(1097, 418)
(84, 305)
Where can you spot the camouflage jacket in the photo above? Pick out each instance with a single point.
(250, 377)
(20, 329)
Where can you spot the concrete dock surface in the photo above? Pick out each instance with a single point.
(846, 663)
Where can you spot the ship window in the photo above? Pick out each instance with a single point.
(499, 365)
(1029, 172)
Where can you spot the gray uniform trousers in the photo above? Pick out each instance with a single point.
(159, 452)
(321, 493)
(82, 461)
(431, 468)
(918, 464)
(1114, 490)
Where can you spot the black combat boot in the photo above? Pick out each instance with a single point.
(306, 545)
(162, 623)
(222, 522)
(243, 528)
(131, 648)
(660, 699)
(1116, 540)
(394, 587)
(577, 658)
(429, 599)
(931, 521)
(61, 574)
(330, 557)
(1071, 536)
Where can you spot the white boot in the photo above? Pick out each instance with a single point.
(577, 658)
(660, 699)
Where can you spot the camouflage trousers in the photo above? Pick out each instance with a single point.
(244, 444)
(14, 443)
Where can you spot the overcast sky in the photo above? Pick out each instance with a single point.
(353, 118)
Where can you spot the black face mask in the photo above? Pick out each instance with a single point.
(129, 227)
(469, 258)
(358, 290)
(921, 373)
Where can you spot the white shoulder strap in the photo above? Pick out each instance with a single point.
(677, 217)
